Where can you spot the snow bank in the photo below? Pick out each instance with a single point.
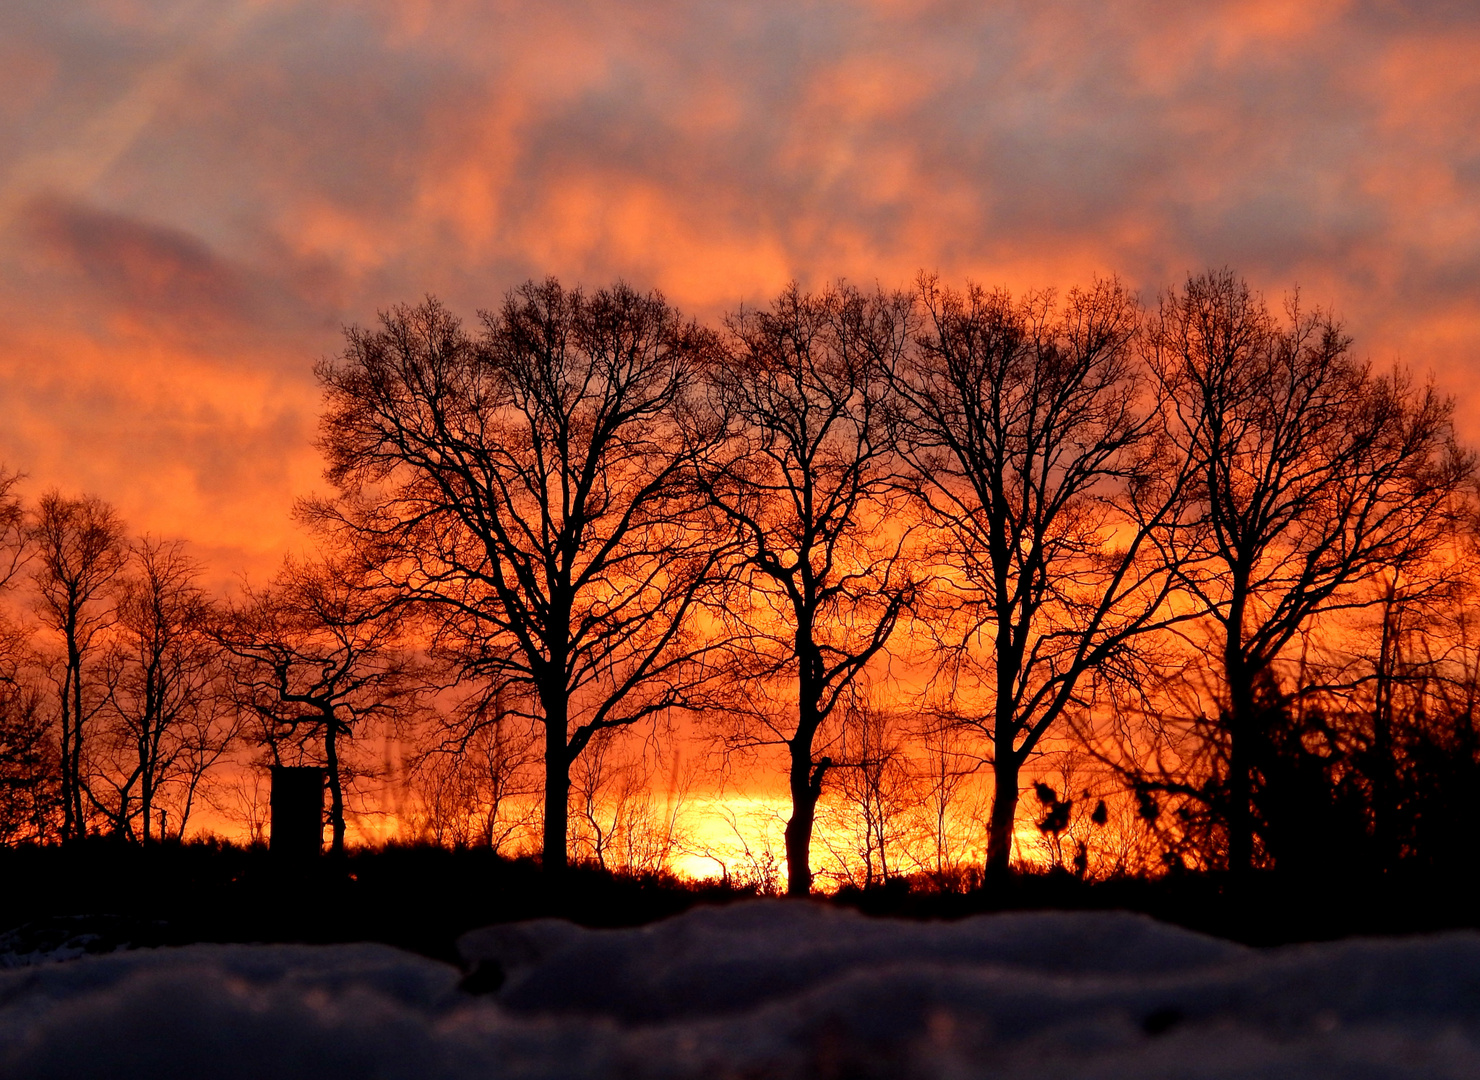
(763, 990)
(717, 960)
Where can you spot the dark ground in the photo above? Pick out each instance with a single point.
(423, 898)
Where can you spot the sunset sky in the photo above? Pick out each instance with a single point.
(196, 196)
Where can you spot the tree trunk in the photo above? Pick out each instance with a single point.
(1239, 673)
(554, 856)
(148, 756)
(1005, 771)
(805, 788)
(336, 789)
(1240, 794)
(1240, 768)
(66, 755)
(146, 812)
(73, 760)
(149, 740)
(1383, 769)
(805, 779)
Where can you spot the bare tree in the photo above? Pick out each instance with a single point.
(535, 488)
(1036, 456)
(1314, 476)
(247, 799)
(163, 694)
(28, 761)
(948, 764)
(477, 776)
(806, 479)
(877, 788)
(744, 864)
(15, 546)
(321, 653)
(79, 551)
(622, 820)
(29, 771)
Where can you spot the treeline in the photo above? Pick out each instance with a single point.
(1193, 577)
(129, 696)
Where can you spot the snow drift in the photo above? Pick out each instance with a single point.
(766, 989)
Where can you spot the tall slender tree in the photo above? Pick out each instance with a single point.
(806, 479)
(79, 545)
(164, 687)
(1038, 458)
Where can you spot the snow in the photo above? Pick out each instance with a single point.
(765, 989)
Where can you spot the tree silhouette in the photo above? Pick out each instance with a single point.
(15, 547)
(1037, 458)
(475, 772)
(322, 654)
(163, 674)
(535, 488)
(806, 478)
(949, 799)
(877, 790)
(29, 774)
(79, 550)
(28, 766)
(1314, 475)
(620, 821)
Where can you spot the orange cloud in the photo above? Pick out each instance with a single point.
(195, 200)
